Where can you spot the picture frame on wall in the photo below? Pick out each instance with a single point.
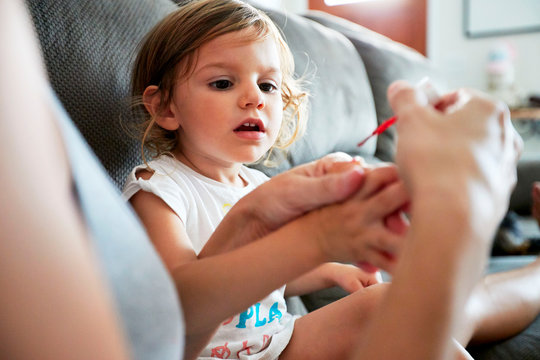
(482, 18)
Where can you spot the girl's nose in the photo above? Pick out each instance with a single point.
(252, 96)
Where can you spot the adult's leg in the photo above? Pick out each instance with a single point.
(332, 331)
(335, 330)
(502, 305)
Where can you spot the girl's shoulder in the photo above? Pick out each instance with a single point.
(163, 174)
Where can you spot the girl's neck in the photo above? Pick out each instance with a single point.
(229, 175)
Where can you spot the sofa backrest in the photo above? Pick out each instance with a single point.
(385, 61)
(342, 111)
(88, 47)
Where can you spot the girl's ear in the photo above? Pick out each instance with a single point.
(164, 116)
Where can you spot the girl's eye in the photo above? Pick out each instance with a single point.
(267, 87)
(221, 84)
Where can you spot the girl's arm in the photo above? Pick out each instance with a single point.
(349, 277)
(241, 276)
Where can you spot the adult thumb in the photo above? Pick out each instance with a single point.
(401, 95)
(339, 186)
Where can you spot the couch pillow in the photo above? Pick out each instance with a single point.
(342, 111)
(88, 48)
(385, 61)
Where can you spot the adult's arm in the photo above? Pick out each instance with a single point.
(459, 166)
(54, 304)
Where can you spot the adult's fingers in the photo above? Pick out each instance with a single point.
(402, 95)
(397, 222)
(307, 193)
(335, 187)
(388, 200)
(378, 178)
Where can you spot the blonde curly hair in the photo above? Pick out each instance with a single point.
(169, 53)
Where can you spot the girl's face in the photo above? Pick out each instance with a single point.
(230, 109)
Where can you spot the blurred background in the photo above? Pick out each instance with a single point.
(491, 45)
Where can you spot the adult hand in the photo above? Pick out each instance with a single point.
(286, 197)
(291, 194)
(467, 148)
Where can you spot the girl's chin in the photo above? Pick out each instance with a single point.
(252, 158)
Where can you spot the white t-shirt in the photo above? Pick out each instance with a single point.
(264, 329)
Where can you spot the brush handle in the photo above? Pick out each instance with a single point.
(385, 125)
(424, 86)
(380, 129)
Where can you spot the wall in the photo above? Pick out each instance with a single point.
(401, 20)
(463, 60)
(295, 6)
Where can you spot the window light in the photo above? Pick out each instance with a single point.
(342, 2)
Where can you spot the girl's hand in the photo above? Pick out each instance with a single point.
(349, 277)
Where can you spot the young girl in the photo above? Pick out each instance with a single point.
(220, 93)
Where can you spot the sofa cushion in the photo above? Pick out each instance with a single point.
(88, 48)
(342, 111)
(385, 61)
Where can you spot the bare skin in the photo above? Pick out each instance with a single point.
(60, 242)
(360, 222)
(44, 246)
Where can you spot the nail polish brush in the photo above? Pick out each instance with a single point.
(424, 86)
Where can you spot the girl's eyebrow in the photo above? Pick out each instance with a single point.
(219, 65)
(228, 65)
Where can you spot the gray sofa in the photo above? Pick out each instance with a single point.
(88, 46)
